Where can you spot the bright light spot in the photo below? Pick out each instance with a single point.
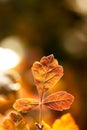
(15, 86)
(11, 53)
(14, 43)
(8, 59)
(82, 6)
(7, 83)
(75, 43)
(74, 48)
(4, 80)
(79, 6)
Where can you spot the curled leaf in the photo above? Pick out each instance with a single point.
(46, 73)
(59, 101)
(15, 122)
(16, 118)
(25, 104)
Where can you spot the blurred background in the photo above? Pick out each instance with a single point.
(30, 29)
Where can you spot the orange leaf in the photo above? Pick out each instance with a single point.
(16, 117)
(25, 104)
(66, 122)
(18, 121)
(46, 73)
(59, 101)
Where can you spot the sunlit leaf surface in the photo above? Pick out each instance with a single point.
(59, 101)
(46, 73)
(66, 122)
(25, 104)
(46, 126)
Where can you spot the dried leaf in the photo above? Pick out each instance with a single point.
(46, 73)
(59, 101)
(16, 118)
(66, 122)
(25, 104)
(15, 121)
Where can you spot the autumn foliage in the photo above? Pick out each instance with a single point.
(16, 122)
(46, 74)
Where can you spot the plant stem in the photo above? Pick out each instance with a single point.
(39, 126)
(40, 114)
